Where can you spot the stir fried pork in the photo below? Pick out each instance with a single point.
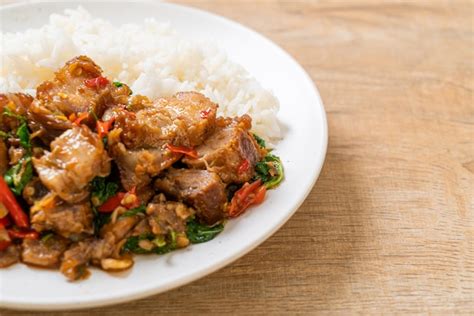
(15, 103)
(174, 159)
(77, 258)
(9, 256)
(167, 216)
(120, 227)
(72, 91)
(230, 151)
(34, 191)
(141, 151)
(45, 253)
(138, 166)
(184, 119)
(202, 189)
(76, 157)
(68, 220)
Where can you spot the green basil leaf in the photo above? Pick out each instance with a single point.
(199, 233)
(18, 176)
(24, 136)
(134, 211)
(264, 169)
(260, 141)
(132, 244)
(102, 189)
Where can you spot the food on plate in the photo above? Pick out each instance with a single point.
(92, 173)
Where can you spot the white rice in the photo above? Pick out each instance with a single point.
(150, 57)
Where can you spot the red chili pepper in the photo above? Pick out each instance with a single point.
(5, 222)
(112, 203)
(188, 151)
(244, 166)
(27, 234)
(104, 127)
(98, 82)
(8, 199)
(260, 194)
(4, 244)
(80, 118)
(249, 194)
(205, 113)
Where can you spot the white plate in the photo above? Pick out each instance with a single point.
(302, 151)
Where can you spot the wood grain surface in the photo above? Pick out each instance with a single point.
(388, 228)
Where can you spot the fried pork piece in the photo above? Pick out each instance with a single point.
(231, 151)
(102, 252)
(16, 103)
(76, 259)
(167, 216)
(120, 227)
(184, 119)
(138, 166)
(76, 157)
(9, 256)
(75, 89)
(44, 253)
(3, 157)
(139, 147)
(69, 220)
(202, 189)
(34, 191)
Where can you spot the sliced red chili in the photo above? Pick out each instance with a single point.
(188, 151)
(260, 194)
(249, 194)
(26, 234)
(5, 221)
(80, 118)
(244, 166)
(205, 113)
(8, 199)
(104, 127)
(112, 203)
(4, 244)
(98, 82)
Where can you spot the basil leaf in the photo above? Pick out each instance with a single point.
(270, 171)
(199, 233)
(24, 136)
(18, 176)
(132, 244)
(260, 141)
(102, 189)
(262, 171)
(134, 211)
(100, 219)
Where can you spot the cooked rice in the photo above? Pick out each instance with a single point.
(151, 57)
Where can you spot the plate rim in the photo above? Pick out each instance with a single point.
(195, 275)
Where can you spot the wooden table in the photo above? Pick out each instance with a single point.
(388, 228)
